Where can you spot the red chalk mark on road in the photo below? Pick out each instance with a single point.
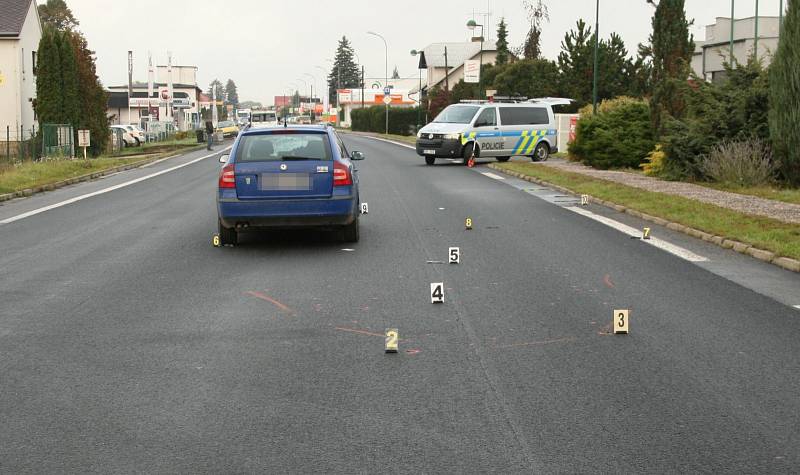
(360, 332)
(537, 343)
(607, 281)
(413, 351)
(269, 299)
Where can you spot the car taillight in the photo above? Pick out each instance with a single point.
(341, 174)
(227, 177)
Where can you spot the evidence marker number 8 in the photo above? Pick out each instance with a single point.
(437, 292)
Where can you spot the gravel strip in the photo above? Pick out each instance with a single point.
(778, 210)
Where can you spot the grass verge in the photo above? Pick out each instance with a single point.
(28, 175)
(764, 233)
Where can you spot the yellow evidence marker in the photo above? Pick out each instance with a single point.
(215, 240)
(620, 321)
(468, 224)
(584, 200)
(646, 233)
(437, 292)
(391, 340)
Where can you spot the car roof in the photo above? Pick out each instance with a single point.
(300, 128)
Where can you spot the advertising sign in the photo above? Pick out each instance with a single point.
(472, 71)
(83, 138)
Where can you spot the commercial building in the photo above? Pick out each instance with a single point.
(20, 32)
(714, 51)
(179, 103)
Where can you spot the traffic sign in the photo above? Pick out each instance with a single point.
(387, 99)
(83, 138)
(387, 90)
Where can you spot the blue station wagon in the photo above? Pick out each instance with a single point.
(288, 177)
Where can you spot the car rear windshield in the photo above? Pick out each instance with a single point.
(280, 146)
(457, 115)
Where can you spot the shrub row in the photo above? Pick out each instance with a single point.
(402, 121)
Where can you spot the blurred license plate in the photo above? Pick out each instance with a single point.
(285, 181)
(429, 152)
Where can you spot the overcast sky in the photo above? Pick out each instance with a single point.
(264, 45)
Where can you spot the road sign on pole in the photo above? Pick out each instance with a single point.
(387, 99)
(84, 141)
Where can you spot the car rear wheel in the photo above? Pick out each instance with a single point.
(541, 152)
(350, 233)
(430, 160)
(227, 235)
(468, 150)
(503, 159)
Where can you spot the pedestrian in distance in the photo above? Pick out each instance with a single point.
(209, 134)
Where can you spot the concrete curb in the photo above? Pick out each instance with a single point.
(88, 177)
(740, 247)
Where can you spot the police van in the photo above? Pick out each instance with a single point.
(492, 129)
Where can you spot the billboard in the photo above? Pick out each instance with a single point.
(472, 71)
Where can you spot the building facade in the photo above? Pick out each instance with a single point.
(714, 51)
(20, 32)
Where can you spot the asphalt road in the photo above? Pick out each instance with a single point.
(129, 344)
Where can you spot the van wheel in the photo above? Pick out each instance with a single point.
(227, 235)
(350, 232)
(503, 159)
(430, 160)
(468, 148)
(541, 153)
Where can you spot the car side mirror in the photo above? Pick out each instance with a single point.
(224, 158)
(356, 155)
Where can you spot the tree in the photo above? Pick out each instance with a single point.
(673, 47)
(529, 78)
(216, 87)
(344, 72)
(70, 104)
(93, 97)
(231, 93)
(395, 73)
(49, 100)
(576, 62)
(537, 15)
(502, 43)
(784, 96)
(57, 14)
(640, 72)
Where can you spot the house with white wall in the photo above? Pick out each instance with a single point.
(20, 32)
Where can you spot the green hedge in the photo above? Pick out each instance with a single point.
(618, 136)
(402, 120)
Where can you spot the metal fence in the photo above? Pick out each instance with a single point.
(58, 141)
(17, 144)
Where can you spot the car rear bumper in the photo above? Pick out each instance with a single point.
(337, 211)
(440, 147)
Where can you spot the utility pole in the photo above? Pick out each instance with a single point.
(732, 59)
(596, 46)
(755, 44)
(130, 83)
(780, 19)
(362, 86)
(446, 74)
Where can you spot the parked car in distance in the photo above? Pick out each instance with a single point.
(127, 138)
(228, 128)
(288, 177)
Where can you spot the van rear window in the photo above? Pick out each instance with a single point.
(524, 116)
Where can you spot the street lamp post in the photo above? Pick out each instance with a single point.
(472, 25)
(596, 46)
(306, 84)
(732, 20)
(419, 90)
(386, 73)
(313, 104)
(326, 97)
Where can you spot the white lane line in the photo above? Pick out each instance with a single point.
(624, 228)
(104, 190)
(387, 140)
(492, 175)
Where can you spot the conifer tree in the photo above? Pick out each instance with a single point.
(502, 43)
(344, 72)
(49, 99)
(784, 96)
(70, 103)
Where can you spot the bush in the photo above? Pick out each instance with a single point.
(402, 120)
(619, 135)
(180, 135)
(740, 163)
(733, 110)
(654, 163)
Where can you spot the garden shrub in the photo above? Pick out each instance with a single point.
(618, 136)
(740, 163)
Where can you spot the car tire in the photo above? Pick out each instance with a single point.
(227, 235)
(350, 232)
(541, 153)
(503, 159)
(467, 153)
(430, 160)
(138, 143)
